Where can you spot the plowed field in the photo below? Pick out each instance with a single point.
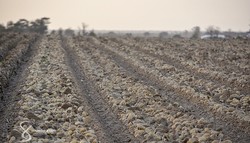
(101, 89)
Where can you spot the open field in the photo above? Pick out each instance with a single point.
(101, 89)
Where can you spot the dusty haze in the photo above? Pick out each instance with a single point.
(132, 14)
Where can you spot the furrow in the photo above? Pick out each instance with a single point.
(112, 129)
(199, 102)
(134, 91)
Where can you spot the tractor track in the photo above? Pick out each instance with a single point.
(99, 89)
(8, 108)
(179, 65)
(196, 74)
(196, 77)
(106, 123)
(236, 131)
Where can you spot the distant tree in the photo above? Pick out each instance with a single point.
(2, 28)
(53, 32)
(177, 36)
(185, 34)
(84, 26)
(213, 31)
(40, 25)
(60, 31)
(10, 25)
(128, 34)
(92, 33)
(21, 25)
(44, 24)
(146, 34)
(163, 35)
(111, 34)
(34, 26)
(69, 32)
(79, 31)
(196, 32)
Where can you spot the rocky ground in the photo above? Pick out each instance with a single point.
(100, 89)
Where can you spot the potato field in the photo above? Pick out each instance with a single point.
(86, 89)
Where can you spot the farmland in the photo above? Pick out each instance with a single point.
(85, 89)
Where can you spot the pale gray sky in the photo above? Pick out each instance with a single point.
(132, 14)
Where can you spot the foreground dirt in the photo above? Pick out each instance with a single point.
(88, 89)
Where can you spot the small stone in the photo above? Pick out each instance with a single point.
(231, 109)
(40, 133)
(74, 141)
(87, 120)
(67, 91)
(39, 141)
(80, 109)
(235, 102)
(202, 121)
(219, 128)
(246, 118)
(12, 139)
(234, 96)
(227, 141)
(25, 107)
(31, 115)
(60, 141)
(51, 131)
(79, 135)
(84, 141)
(60, 134)
(15, 133)
(66, 105)
(69, 110)
(78, 123)
(45, 141)
(82, 130)
(72, 127)
(139, 133)
(70, 132)
(84, 114)
(152, 136)
(203, 138)
(89, 135)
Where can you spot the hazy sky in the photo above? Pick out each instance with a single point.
(132, 14)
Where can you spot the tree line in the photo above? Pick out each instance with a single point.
(23, 25)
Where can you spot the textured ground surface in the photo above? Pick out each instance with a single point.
(88, 89)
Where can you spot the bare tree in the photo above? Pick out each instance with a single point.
(79, 31)
(84, 26)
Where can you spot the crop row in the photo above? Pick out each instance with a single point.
(232, 97)
(11, 61)
(211, 71)
(148, 114)
(50, 109)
